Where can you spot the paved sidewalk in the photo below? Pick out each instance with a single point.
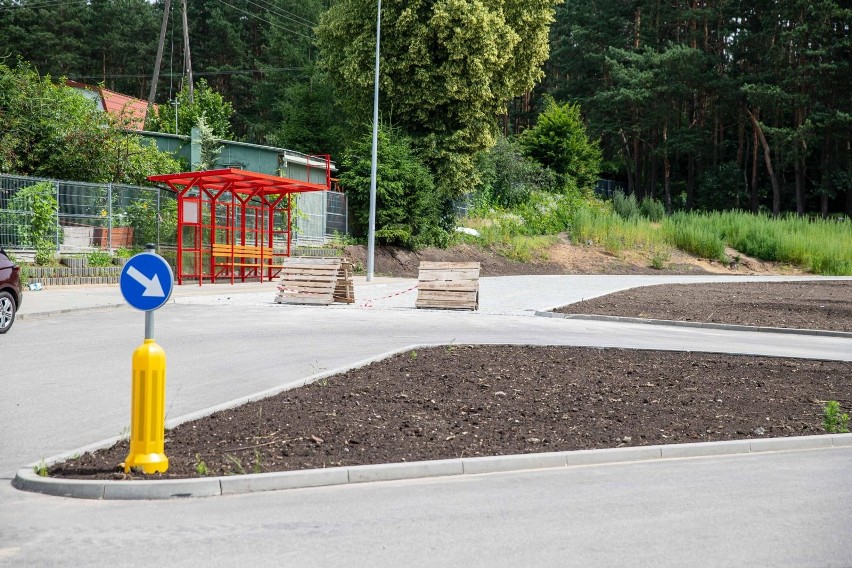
(55, 300)
(516, 295)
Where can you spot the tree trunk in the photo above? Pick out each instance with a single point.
(652, 186)
(755, 197)
(849, 202)
(741, 142)
(767, 157)
(638, 28)
(637, 162)
(800, 166)
(849, 167)
(630, 175)
(690, 183)
(800, 186)
(667, 170)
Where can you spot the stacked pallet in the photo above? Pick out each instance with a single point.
(344, 292)
(322, 281)
(448, 285)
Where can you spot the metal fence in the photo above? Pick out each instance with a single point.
(321, 215)
(70, 216)
(607, 187)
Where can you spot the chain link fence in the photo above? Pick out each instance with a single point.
(54, 216)
(70, 216)
(321, 216)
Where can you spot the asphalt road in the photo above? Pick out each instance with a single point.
(67, 385)
(769, 510)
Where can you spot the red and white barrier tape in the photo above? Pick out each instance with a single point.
(369, 303)
(365, 303)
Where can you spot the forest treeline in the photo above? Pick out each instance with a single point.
(702, 104)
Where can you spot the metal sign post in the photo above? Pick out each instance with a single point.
(146, 283)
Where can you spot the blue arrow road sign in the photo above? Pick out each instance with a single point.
(147, 281)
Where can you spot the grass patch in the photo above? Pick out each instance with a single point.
(683, 232)
(614, 232)
(818, 245)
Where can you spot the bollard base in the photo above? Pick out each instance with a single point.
(148, 463)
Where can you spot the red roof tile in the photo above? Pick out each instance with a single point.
(131, 109)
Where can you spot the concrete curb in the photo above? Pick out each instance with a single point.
(27, 480)
(706, 325)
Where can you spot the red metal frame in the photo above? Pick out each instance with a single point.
(236, 209)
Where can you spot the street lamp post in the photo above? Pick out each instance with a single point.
(371, 232)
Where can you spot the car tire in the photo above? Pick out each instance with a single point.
(7, 311)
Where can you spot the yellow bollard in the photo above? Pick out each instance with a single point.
(148, 410)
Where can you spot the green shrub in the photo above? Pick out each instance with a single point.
(31, 215)
(143, 216)
(409, 210)
(625, 205)
(652, 209)
(833, 421)
(560, 142)
(99, 258)
(507, 177)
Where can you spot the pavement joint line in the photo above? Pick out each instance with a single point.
(705, 325)
(65, 311)
(27, 480)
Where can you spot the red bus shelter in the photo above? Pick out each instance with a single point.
(233, 224)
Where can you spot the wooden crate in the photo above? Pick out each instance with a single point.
(448, 285)
(315, 281)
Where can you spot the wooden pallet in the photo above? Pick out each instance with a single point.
(344, 291)
(320, 281)
(448, 285)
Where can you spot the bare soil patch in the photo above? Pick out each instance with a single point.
(825, 305)
(564, 257)
(491, 400)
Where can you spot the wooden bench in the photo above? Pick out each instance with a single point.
(448, 285)
(251, 261)
(323, 281)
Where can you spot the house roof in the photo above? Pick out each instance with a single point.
(124, 107)
(239, 181)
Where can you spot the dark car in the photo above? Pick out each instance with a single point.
(10, 291)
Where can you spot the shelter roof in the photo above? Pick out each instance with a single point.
(238, 181)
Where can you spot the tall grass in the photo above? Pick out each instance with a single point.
(700, 239)
(818, 245)
(614, 232)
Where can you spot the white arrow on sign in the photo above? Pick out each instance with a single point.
(152, 285)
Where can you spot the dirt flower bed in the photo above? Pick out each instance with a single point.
(824, 304)
(489, 400)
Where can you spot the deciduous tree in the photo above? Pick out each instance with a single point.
(448, 68)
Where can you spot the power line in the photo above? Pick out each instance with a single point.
(264, 20)
(41, 4)
(195, 73)
(271, 11)
(290, 15)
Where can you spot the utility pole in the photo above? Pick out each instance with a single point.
(371, 225)
(153, 92)
(187, 59)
